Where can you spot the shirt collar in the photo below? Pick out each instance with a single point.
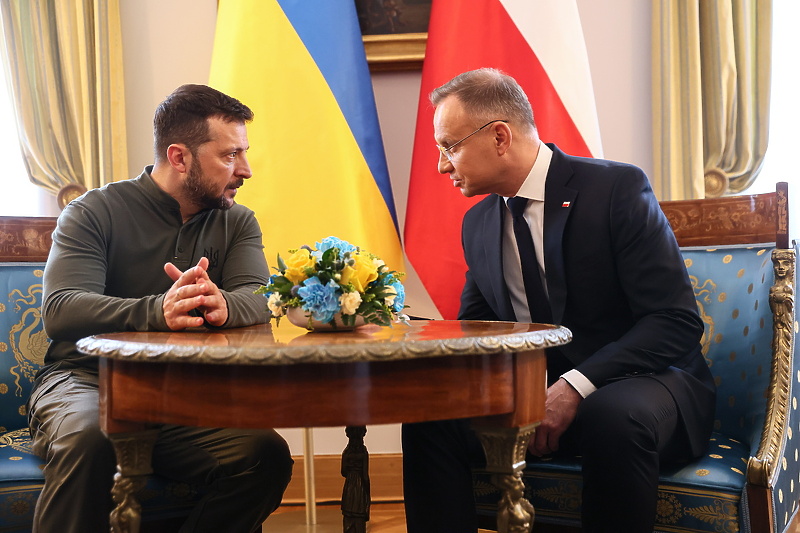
(157, 194)
(533, 186)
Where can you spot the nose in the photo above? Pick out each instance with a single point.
(243, 166)
(445, 166)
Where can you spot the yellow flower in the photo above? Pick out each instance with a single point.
(296, 265)
(362, 273)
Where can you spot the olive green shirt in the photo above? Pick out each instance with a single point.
(105, 271)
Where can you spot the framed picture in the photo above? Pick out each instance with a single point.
(394, 32)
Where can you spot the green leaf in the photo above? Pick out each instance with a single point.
(329, 256)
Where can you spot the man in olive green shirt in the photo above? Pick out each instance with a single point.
(165, 251)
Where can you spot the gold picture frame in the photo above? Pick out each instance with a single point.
(396, 51)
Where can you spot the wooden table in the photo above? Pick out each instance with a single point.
(281, 377)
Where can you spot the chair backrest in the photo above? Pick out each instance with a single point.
(727, 246)
(24, 245)
(753, 219)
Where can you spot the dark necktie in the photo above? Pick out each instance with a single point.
(538, 305)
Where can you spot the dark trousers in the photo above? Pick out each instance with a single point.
(245, 471)
(624, 431)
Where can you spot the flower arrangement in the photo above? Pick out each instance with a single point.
(335, 279)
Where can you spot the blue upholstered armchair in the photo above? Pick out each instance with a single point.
(24, 244)
(743, 271)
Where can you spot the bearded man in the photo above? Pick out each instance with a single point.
(165, 251)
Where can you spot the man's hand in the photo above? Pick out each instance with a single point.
(193, 289)
(560, 409)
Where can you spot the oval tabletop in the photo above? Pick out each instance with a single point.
(266, 344)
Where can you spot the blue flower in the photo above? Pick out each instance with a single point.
(400, 297)
(321, 300)
(335, 242)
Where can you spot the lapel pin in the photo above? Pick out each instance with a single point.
(565, 204)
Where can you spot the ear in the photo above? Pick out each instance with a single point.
(179, 157)
(502, 137)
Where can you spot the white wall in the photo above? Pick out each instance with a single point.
(618, 34)
(169, 42)
(166, 43)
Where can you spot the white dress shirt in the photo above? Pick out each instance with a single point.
(533, 189)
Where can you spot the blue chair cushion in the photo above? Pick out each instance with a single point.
(21, 481)
(17, 461)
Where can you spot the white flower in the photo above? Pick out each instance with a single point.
(349, 302)
(390, 298)
(275, 304)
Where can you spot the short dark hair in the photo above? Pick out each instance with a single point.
(183, 116)
(488, 94)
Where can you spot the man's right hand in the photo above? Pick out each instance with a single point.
(561, 407)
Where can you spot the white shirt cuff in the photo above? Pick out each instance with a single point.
(579, 382)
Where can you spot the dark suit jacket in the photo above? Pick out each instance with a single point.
(615, 278)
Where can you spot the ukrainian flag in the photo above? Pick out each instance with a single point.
(316, 151)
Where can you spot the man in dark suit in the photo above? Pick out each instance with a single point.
(632, 389)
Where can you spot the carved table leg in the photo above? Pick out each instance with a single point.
(134, 457)
(355, 470)
(505, 459)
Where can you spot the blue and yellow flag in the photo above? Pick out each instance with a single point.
(316, 151)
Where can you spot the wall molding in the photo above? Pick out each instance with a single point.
(385, 474)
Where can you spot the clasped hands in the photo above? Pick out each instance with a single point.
(560, 409)
(193, 289)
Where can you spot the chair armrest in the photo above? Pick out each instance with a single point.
(771, 471)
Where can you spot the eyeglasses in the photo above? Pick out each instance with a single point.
(446, 151)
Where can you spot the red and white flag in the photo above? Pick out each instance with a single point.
(538, 42)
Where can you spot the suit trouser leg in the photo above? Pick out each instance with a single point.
(624, 432)
(437, 476)
(246, 471)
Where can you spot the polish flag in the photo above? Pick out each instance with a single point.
(539, 43)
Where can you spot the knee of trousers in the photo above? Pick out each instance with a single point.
(424, 437)
(80, 452)
(608, 426)
(266, 456)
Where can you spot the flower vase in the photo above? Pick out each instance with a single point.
(300, 318)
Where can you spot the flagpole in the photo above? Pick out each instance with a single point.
(308, 473)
